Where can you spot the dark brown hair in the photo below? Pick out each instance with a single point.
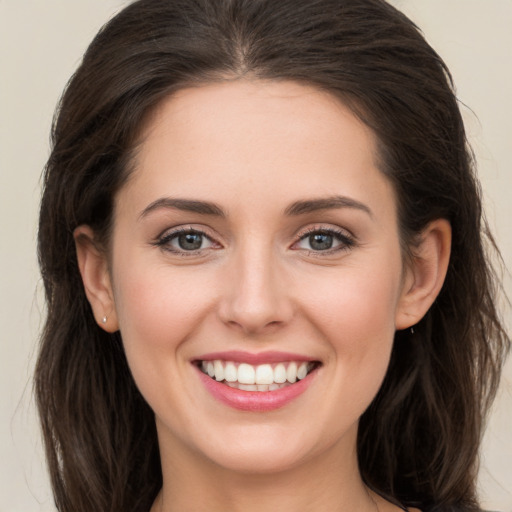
(418, 441)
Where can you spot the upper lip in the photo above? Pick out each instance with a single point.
(240, 356)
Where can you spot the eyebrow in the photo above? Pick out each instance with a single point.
(327, 203)
(296, 208)
(187, 205)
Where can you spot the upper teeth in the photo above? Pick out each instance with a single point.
(244, 373)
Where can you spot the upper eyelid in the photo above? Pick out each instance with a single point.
(345, 237)
(177, 230)
(167, 235)
(300, 234)
(325, 228)
(165, 240)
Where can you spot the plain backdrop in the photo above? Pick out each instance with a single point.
(41, 43)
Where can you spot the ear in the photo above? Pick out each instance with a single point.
(425, 274)
(93, 266)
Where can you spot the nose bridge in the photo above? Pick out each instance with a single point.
(256, 299)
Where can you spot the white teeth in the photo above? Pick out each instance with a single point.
(246, 374)
(256, 387)
(219, 370)
(301, 372)
(291, 372)
(264, 374)
(248, 387)
(230, 373)
(280, 374)
(263, 377)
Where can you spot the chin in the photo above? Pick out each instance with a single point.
(256, 460)
(265, 449)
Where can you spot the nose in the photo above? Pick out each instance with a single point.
(256, 299)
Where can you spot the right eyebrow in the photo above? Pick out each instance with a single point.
(187, 205)
(326, 203)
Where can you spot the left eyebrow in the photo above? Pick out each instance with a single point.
(187, 205)
(326, 203)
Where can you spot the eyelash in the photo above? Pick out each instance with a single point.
(346, 241)
(164, 241)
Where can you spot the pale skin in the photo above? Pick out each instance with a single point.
(276, 164)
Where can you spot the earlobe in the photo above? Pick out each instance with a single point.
(93, 266)
(425, 274)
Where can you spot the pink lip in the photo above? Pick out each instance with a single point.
(239, 356)
(255, 401)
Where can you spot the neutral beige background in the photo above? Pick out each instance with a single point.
(41, 42)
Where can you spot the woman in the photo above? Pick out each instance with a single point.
(263, 251)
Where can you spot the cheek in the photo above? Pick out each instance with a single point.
(358, 307)
(158, 310)
(357, 318)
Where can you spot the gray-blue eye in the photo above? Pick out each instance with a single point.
(184, 241)
(321, 241)
(324, 240)
(190, 241)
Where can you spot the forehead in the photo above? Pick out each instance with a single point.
(249, 139)
(287, 111)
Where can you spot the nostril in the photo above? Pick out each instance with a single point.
(252, 325)
(255, 304)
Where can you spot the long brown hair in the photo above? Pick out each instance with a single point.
(418, 441)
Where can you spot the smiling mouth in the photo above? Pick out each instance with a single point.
(262, 377)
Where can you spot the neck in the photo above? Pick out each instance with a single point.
(323, 483)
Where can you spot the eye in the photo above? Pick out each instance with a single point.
(184, 241)
(321, 241)
(190, 241)
(324, 240)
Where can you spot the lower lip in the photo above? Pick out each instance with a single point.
(255, 401)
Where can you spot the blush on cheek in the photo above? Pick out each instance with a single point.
(158, 303)
(357, 313)
(359, 319)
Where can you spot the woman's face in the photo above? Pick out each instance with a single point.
(257, 234)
